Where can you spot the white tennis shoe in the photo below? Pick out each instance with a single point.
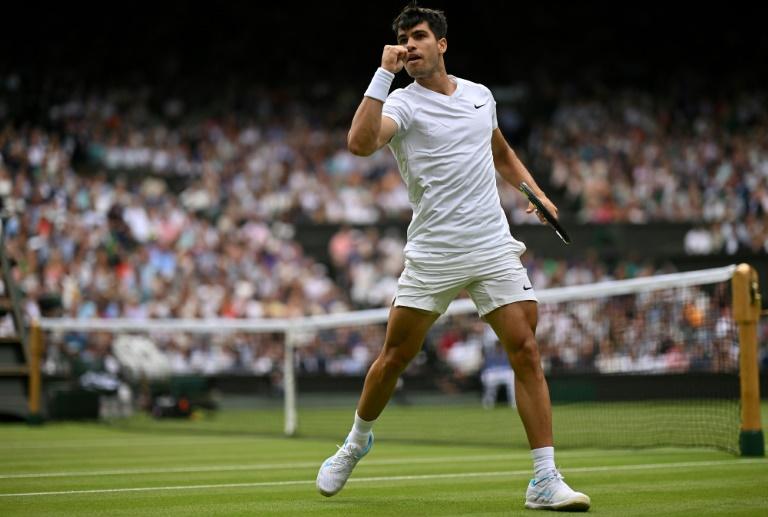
(335, 471)
(552, 493)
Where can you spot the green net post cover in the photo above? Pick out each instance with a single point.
(752, 443)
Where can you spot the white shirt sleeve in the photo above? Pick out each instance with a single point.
(398, 109)
(494, 120)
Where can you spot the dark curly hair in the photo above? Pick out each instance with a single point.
(413, 15)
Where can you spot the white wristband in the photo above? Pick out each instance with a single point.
(379, 87)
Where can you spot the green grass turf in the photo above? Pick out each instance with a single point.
(91, 469)
(625, 424)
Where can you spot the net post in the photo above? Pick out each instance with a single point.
(746, 312)
(289, 384)
(34, 376)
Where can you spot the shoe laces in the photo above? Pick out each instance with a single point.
(343, 456)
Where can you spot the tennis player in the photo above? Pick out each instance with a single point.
(444, 135)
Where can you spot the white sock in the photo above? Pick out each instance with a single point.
(543, 461)
(360, 431)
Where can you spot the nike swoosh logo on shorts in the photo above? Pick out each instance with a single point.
(527, 288)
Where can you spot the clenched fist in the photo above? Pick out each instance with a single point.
(394, 57)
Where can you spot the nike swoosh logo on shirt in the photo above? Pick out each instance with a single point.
(478, 107)
(527, 288)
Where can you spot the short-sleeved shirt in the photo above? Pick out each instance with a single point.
(443, 150)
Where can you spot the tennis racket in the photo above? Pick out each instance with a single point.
(540, 208)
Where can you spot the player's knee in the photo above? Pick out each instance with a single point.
(524, 356)
(394, 362)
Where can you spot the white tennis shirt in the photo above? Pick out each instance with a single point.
(443, 150)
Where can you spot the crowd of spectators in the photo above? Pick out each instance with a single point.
(637, 158)
(128, 213)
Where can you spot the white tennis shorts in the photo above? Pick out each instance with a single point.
(431, 280)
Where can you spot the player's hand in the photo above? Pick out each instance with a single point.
(547, 203)
(393, 58)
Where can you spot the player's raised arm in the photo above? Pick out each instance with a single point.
(370, 131)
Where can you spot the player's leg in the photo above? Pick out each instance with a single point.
(406, 329)
(515, 324)
(506, 300)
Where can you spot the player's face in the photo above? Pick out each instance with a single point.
(424, 50)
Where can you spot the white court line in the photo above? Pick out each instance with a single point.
(162, 442)
(618, 468)
(257, 466)
(300, 464)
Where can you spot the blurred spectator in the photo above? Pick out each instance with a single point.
(496, 373)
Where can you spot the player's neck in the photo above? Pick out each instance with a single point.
(438, 82)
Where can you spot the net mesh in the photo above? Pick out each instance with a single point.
(663, 363)
(634, 364)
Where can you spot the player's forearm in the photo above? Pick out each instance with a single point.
(366, 124)
(363, 137)
(514, 172)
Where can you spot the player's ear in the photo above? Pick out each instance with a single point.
(442, 45)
